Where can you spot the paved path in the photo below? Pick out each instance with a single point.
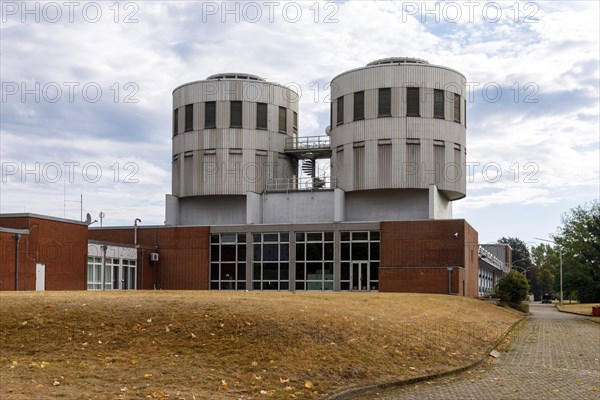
(555, 356)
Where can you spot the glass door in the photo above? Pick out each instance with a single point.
(360, 276)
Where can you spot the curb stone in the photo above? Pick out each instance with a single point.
(352, 393)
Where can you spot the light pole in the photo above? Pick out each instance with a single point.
(560, 258)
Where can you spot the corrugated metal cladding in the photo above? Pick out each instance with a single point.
(421, 148)
(228, 159)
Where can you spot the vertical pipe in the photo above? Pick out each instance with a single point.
(17, 239)
(102, 273)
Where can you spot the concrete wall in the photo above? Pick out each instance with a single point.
(298, 207)
(212, 210)
(387, 205)
(439, 205)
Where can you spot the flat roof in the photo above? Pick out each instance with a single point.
(40, 216)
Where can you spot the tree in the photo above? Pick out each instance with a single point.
(579, 238)
(546, 261)
(521, 260)
(513, 287)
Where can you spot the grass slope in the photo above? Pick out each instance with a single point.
(232, 345)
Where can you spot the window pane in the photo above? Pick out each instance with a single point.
(360, 235)
(282, 120)
(189, 117)
(257, 252)
(214, 238)
(360, 251)
(261, 115)
(175, 122)
(374, 235)
(328, 286)
(284, 271)
(456, 108)
(438, 103)
(412, 102)
(210, 114)
(256, 285)
(270, 252)
(314, 285)
(295, 123)
(314, 271)
(256, 237)
(214, 271)
(345, 251)
(328, 271)
(314, 236)
(241, 285)
(345, 236)
(328, 251)
(385, 102)
(374, 271)
(241, 272)
(284, 237)
(299, 271)
(241, 238)
(228, 238)
(344, 271)
(340, 110)
(214, 252)
(270, 237)
(300, 252)
(299, 285)
(241, 252)
(375, 251)
(257, 271)
(214, 286)
(345, 286)
(284, 252)
(359, 106)
(284, 286)
(329, 236)
(228, 272)
(270, 271)
(235, 117)
(299, 236)
(228, 252)
(314, 251)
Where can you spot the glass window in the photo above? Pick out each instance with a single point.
(189, 117)
(314, 236)
(413, 108)
(282, 120)
(314, 251)
(235, 117)
(261, 115)
(359, 106)
(340, 110)
(457, 108)
(438, 103)
(175, 121)
(360, 235)
(385, 102)
(210, 115)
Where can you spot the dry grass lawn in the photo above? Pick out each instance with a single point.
(585, 309)
(232, 345)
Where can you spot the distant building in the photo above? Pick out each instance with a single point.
(250, 208)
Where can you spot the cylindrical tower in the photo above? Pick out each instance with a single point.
(229, 134)
(398, 127)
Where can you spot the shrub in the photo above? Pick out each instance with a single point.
(513, 287)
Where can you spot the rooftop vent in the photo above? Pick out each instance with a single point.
(234, 75)
(398, 60)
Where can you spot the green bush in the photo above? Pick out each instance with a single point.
(513, 287)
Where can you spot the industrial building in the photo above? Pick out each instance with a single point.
(250, 210)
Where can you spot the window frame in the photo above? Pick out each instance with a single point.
(381, 112)
(340, 111)
(416, 101)
(439, 104)
(233, 107)
(359, 111)
(282, 120)
(208, 113)
(188, 123)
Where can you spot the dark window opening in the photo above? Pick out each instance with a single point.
(438, 103)
(385, 102)
(359, 106)
(189, 118)
(413, 108)
(282, 120)
(210, 115)
(235, 117)
(261, 115)
(340, 110)
(175, 122)
(457, 108)
(295, 123)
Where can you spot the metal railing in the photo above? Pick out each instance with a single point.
(299, 184)
(308, 143)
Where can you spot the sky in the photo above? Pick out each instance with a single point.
(86, 94)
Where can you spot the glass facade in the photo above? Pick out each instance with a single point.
(228, 261)
(295, 260)
(119, 273)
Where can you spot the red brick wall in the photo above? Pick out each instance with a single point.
(415, 256)
(183, 254)
(60, 245)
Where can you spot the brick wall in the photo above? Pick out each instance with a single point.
(183, 254)
(416, 255)
(60, 245)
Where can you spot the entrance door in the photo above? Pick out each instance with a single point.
(40, 277)
(360, 276)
